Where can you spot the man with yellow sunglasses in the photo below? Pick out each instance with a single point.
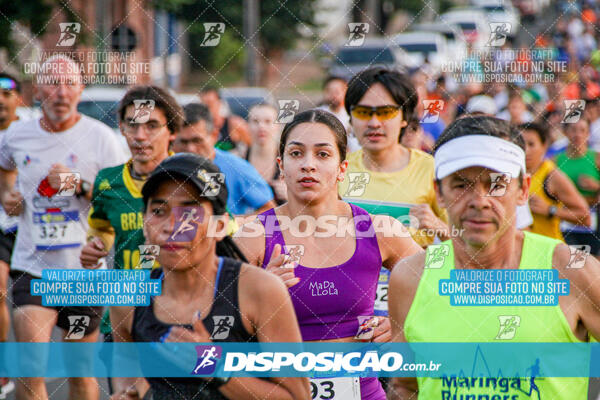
(385, 177)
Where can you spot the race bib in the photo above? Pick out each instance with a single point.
(56, 230)
(381, 297)
(335, 388)
(569, 227)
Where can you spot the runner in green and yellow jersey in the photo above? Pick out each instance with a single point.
(150, 118)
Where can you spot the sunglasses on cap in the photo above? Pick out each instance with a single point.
(383, 113)
(7, 84)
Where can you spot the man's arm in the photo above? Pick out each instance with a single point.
(575, 208)
(99, 242)
(395, 242)
(404, 280)
(584, 296)
(238, 130)
(10, 198)
(8, 179)
(105, 234)
(101, 234)
(254, 191)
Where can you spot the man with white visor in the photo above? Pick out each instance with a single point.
(481, 179)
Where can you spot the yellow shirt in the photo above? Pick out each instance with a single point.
(393, 193)
(543, 225)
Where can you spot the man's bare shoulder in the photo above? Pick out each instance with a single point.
(408, 271)
(575, 264)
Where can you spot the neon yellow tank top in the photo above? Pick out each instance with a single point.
(541, 223)
(431, 318)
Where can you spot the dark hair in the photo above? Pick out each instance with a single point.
(209, 89)
(9, 76)
(413, 123)
(162, 100)
(331, 78)
(480, 125)
(516, 94)
(571, 125)
(397, 84)
(262, 104)
(539, 128)
(593, 101)
(196, 112)
(321, 117)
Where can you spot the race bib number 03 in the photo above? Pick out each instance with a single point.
(335, 388)
(381, 297)
(56, 230)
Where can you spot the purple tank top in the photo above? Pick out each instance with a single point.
(328, 301)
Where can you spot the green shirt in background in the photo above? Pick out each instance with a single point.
(575, 167)
(117, 205)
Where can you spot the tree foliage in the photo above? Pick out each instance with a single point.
(33, 14)
(278, 26)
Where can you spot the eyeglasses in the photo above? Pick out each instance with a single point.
(151, 128)
(383, 113)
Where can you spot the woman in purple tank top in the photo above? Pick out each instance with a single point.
(328, 252)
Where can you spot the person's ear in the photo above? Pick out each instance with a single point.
(437, 186)
(36, 93)
(280, 164)
(20, 102)
(343, 169)
(524, 190)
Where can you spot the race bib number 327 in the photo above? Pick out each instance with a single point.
(56, 230)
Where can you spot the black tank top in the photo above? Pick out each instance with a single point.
(224, 323)
(224, 141)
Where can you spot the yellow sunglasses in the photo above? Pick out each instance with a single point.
(383, 113)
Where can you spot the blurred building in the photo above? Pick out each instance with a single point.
(117, 43)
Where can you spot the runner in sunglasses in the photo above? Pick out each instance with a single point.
(384, 177)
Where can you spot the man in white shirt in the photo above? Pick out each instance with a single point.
(62, 149)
